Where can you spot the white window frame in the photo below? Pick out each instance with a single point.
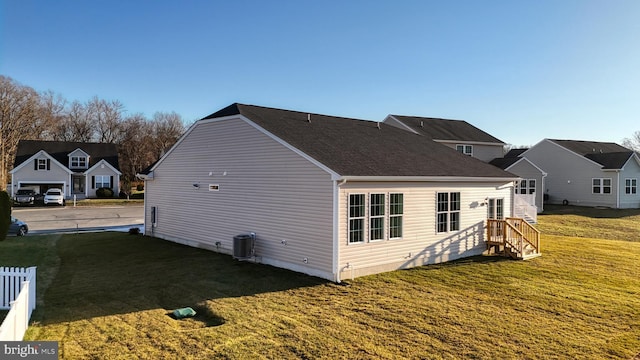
(360, 218)
(42, 164)
(78, 162)
(102, 182)
(526, 187)
(396, 213)
(450, 213)
(367, 215)
(598, 184)
(631, 186)
(376, 216)
(465, 149)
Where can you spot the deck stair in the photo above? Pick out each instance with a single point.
(513, 237)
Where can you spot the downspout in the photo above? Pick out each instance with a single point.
(618, 190)
(336, 228)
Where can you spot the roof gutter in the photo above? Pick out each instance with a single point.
(427, 179)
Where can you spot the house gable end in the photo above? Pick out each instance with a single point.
(29, 162)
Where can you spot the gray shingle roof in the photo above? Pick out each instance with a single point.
(504, 162)
(609, 155)
(352, 147)
(446, 129)
(60, 150)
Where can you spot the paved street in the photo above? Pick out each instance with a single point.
(68, 218)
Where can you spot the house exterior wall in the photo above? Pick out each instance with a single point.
(569, 176)
(90, 188)
(420, 244)
(484, 152)
(263, 187)
(26, 176)
(631, 171)
(525, 170)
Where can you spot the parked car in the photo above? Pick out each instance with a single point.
(18, 227)
(24, 197)
(54, 196)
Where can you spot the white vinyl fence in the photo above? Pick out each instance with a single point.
(18, 294)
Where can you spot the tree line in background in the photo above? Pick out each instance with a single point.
(632, 143)
(26, 114)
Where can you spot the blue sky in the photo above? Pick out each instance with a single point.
(520, 70)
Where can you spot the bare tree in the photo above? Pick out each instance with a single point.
(19, 106)
(135, 146)
(632, 143)
(167, 129)
(106, 117)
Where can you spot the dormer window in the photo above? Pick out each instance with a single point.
(79, 162)
(465, 149)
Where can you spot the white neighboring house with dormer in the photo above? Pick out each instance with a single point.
(77, 168)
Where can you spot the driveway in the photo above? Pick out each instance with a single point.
(82, 218)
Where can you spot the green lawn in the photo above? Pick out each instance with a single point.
(107, 296)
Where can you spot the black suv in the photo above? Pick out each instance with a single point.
(24, 197)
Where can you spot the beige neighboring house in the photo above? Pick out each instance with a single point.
(327, 196)
(78, 168)
(588, 173)
(456, 134)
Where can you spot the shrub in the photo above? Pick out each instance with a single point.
(5, 214)
(104, 192)
(140, 187)
(137, 196)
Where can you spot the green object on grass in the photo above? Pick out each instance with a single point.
(183, 313)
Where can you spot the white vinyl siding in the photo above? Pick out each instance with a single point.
(529, 172)
(264, 187)
(420, 243)
(483, 151)
(629, 182)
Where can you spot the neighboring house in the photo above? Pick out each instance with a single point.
(456, 134)
(331, 197)
(77, 168)
(531, 186)
(470, 140)
(588, 173)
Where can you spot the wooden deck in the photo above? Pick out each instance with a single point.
(513, 237)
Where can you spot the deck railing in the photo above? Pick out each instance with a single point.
(518, 238)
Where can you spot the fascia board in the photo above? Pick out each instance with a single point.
(103, 161)
(428, 179)
(530, 162)
(467, 142)
(84, 152)
(34, 156)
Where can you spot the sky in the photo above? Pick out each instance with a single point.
(520, 70)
